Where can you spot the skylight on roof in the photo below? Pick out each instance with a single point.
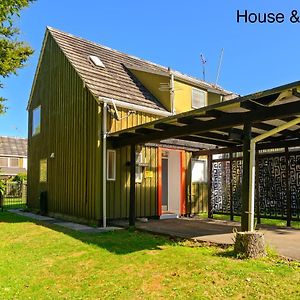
(96, 61)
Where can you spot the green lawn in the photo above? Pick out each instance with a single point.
(273, 222)
(39, 262)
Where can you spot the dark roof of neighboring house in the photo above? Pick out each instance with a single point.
(115, 80)
(13, 146)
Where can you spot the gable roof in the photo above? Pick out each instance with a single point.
(115, 81)
(13, 146)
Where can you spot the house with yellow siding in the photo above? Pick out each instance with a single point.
(13, 156)
(84, 92)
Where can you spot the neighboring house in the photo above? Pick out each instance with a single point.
(83, 91)
(13, 156)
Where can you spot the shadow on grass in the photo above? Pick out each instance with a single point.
(119, 242)
(228, 253)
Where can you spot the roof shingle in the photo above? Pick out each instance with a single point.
(13, 146)
(115, 80)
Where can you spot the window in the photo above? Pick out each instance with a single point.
(43, 170)
(199, 171)
(96, 61)
(198, 98)
(138, 168)
(36, 121)
(111, 165)
(3, 161)
(14, 162)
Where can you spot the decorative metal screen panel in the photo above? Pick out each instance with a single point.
(237, 174)
(294, 185)
(271, 186)
(221, 186)
(272, 191)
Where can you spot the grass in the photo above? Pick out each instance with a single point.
(264, 221)
(39, 262)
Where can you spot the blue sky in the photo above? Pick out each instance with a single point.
(171, 33)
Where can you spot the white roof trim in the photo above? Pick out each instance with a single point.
(38, 68)
(136, 107)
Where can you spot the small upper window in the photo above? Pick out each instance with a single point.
(111, 165)
(198, 98)
(96, 61)
(36, 121)
(3, 161)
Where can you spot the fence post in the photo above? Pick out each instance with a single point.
(288, 194)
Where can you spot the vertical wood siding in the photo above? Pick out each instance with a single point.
(146, 191)
(118, 190)
(69, 130)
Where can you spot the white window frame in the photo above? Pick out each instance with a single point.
(9, 162)
(33, 133)
(139, 168)
(113, 178)
(204, 162)
(205, 97)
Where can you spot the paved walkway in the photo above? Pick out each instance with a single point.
(285, 240)
(65, 224)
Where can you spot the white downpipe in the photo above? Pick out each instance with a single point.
(104, 135)
(252, 165)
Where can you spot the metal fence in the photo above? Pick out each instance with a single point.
(15, 195)
(277, 192)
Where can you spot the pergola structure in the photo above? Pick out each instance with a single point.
(264, 120)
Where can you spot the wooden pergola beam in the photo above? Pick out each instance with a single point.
(227, 121)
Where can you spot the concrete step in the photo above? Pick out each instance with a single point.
(168, 216)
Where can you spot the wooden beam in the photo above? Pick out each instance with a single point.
(200, 139)
(181, 131)
(191, 119)
(274, 112)
(146, 130)
(218, 151)
(227, 121)
(132, 186)
(268, 127)
(260, 146)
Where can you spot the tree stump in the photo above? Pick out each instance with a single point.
(249, 244)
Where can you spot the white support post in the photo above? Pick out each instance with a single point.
(251, 186)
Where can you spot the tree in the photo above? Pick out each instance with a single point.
(13, 53)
